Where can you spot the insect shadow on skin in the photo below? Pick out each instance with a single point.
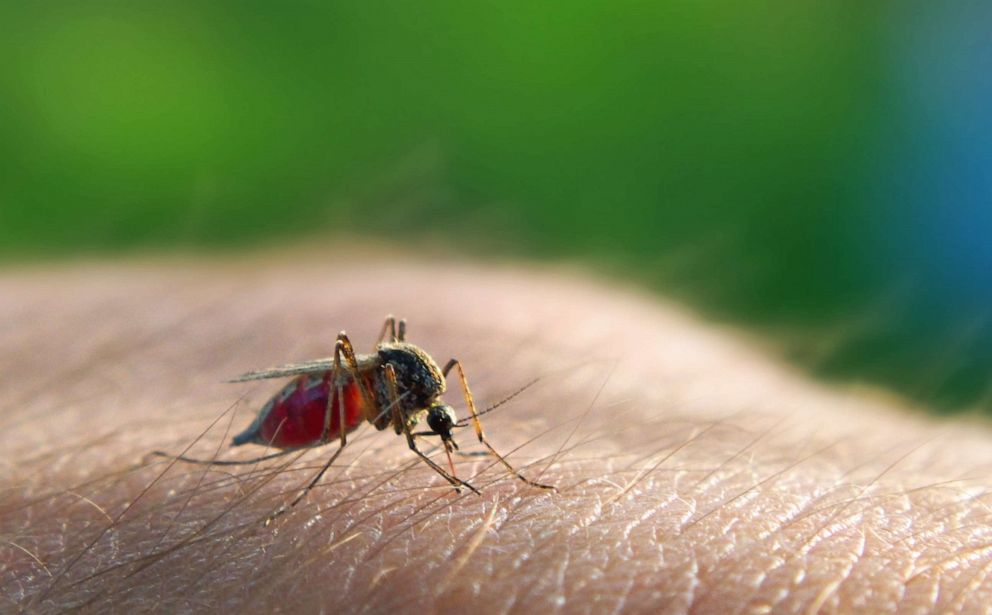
(397, 385)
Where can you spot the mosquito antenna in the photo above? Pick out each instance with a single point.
(464, 422)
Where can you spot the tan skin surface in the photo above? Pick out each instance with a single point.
(694, 473)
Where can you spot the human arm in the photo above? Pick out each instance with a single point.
(694, 472)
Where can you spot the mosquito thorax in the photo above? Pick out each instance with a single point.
(418, 377)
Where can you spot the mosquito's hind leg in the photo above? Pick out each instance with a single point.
(222, 462)
(310, 486)
(335, 382)
(400, 422)
(478, 425)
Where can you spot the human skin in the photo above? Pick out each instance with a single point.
(694, 472)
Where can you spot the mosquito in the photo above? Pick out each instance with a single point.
(398, 385)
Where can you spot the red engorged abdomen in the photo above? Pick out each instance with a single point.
(296, 418)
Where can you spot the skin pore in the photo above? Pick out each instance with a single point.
(695, 474)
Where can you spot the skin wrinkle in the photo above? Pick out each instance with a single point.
(469, 547)
(740, 452)
(843, 561)
(896, 588)
(977, 579)
(154, 384)
(575, 526)
(753, 489)
(645, 472)
(630, 537)
(766, 573)
(816, 535)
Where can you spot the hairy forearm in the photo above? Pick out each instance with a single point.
(693, 473)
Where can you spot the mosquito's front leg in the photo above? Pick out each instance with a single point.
(399, 421)
(477, 424)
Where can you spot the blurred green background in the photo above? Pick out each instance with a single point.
(819, 171)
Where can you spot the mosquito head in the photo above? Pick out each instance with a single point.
(441, 419)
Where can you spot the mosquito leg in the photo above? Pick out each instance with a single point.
(454, 480)
(316, 479)
(333, 383)
(478, 425)
(368, 399)
(401, 427)
(221, 462)
(389, 325)
(323, 470)
(396, 329)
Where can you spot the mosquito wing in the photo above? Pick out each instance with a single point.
(293, 369)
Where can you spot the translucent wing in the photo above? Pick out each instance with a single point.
(293, 369)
